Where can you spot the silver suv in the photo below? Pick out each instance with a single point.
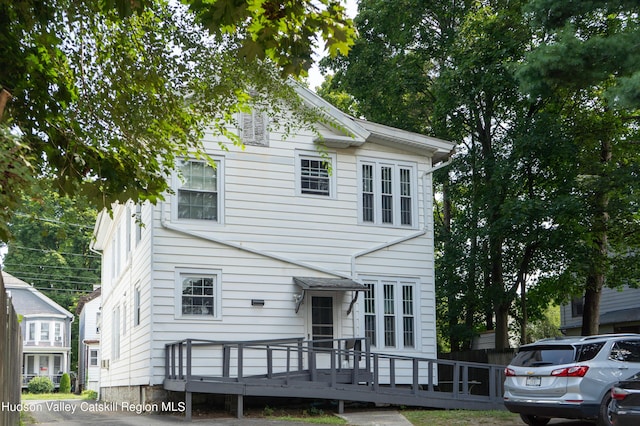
(569, 377)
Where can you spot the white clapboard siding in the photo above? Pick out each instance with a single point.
(268, 235)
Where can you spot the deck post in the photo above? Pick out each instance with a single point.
(167, 371)
(430, 372)
(376, 372)
(340, 407)
(392, 372)
(189, 354)
(188, 407)
(226, 360)
(465, 379)
(180, 362)
(240, 408)
(416, 376)
(456, 379)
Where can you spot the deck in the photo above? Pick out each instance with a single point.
(340, 370)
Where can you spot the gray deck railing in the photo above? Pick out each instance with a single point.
(340, 369)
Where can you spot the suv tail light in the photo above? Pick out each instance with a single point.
(618, 394)
(508, 372)
(577, 371)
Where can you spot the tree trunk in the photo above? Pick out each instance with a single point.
(597, 270)
(591, 309)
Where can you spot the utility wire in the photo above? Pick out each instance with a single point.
(42, 219)
(54, 251)
(28, 278)
(51, 267)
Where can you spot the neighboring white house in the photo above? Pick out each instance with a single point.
(88, 311)
(271, 243)
(619, 312)
(46, 331)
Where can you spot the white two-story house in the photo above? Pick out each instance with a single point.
(275, 241)
(46, 331)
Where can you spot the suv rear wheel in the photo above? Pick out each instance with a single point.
(534, 420)
(604, 415)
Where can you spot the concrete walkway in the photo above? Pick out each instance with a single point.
(375, 418)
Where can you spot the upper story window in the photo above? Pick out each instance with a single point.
(198, 193)
(253, 130)
(57, 331)
(388, 193)
(32, 331)
(44, 331)
(198, 294)
(315, 175)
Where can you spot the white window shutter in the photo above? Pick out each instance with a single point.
(254, 128)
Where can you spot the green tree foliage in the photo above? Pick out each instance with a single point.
(584, 44)
(587, 54)
(104, 96)
(521, 214)
(50, 249)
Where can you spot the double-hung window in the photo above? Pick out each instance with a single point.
(44, 331)
(93, 357)
(390, 312)
(314, 174)
(388, 193)
(198, 193)
(198, 294)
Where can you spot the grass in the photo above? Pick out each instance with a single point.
(54, 396)
(459, 417)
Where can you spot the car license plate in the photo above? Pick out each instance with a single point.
(534, 381)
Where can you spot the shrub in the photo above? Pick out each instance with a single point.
(65, 383)
(89, 395)
(40, 384)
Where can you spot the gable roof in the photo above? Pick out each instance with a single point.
(359, 131)
(87, 298)
(28, 301)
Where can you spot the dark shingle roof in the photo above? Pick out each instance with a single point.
(27, 300)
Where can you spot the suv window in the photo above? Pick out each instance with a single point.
(588, 351)
(626, 350)
(540, 355)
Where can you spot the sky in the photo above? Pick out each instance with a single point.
(315, 77)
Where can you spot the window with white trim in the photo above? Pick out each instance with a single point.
(388, 193)
(198, 294)
(115, 334)
(44, 331)
(314, 174)
(198, 194)
(93, 357)
(32, 331)
(390, 312)
(136, 306)
(57, 331)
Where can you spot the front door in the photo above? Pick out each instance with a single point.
(322, 324)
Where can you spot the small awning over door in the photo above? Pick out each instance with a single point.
(328, 284)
